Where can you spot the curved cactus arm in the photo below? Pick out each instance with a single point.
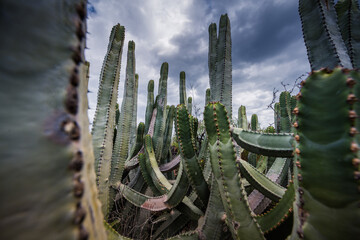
(174, 163)
(274, 217)
(277, 145)
(207, 172)
(213, 223)
(226, 173)
(188, 155)
(146, 174)
(192, 235)
(285, 112)
(327, 209)
(348, 14)
(263, 184)
(149, 105)
(277, 173)
(137, 148)
(162, 184)
(323, 41)
(169, 200)
(242, 119)
(104, 120)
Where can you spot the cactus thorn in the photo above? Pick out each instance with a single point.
(296, 111)
(300, 177)
(223, 217)
(351, 99)
(298, 164)
(353, 131)
(79, 214)
(302, 83)
(298, 96)
(354, 147)
(297, 151)
(356, 162)
(357, 175)
(350, 82)
(296, 125)
(297, 138)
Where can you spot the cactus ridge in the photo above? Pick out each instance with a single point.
(268, 144)
(225, 170)
(334, 149)
(275, 216)
(348, 13)
(242, 119)
(188, 155)
(322, 36)
(262, 183)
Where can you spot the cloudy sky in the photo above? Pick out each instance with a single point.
(267, 47)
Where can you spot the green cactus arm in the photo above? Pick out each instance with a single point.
(223, 72)
(226, 173)
(277, 173)
(274, 217)
(167, 134)
(189, 105)
(262, 183)
(139, 143)
(133, 128)
(170, 165)
(146, 174)
(323, 41)
(254, 123)
(192, 235)
(162, 184)
(149, 105)
(277, 117)
(285, 112)
(212, 60)
(169, 200)
(242, 119)
(277, 145)
(252, 159)
(47, 185)
(348, 14)
(182, 88)
(207, 96)
(161, 101)
(121, 148)
(213, 224)
(327, 151)
(188, 154)
(104, 120)
(207, 172)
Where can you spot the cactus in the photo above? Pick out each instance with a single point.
(220, 63)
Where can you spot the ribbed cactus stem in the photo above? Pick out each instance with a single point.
(134, 114)
(182, 88)
(277, 117)
(207, 96)
(121, 148)
(323, 41)
(212, 58)
(48, 187)
(348, 13)
(104, 120)
(189, 105)
(149, 105)
(255, 123)
(285, 112)
(161, 101)
(242, 119)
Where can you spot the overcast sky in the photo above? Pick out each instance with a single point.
(267, 47)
